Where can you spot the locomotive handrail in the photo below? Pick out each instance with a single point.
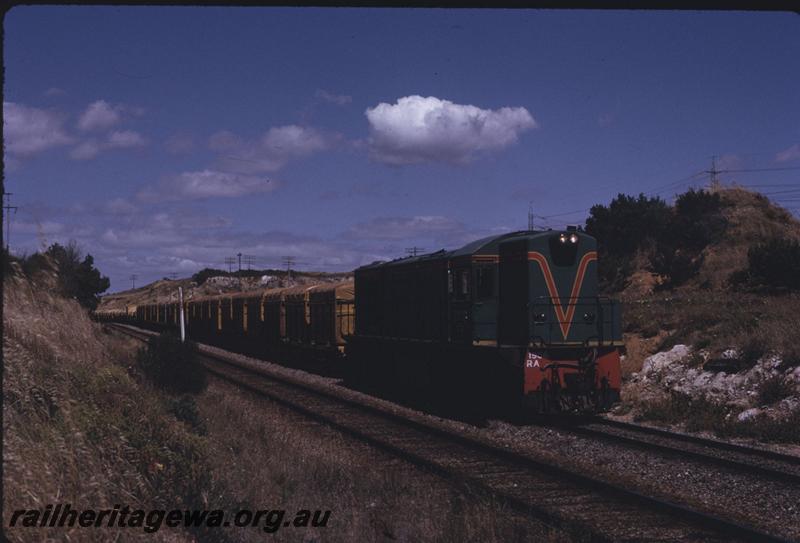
(604, 318)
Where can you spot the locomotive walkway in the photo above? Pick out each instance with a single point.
(586, 507)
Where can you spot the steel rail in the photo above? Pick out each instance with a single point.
(698, 523)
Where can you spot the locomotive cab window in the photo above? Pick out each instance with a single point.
(484, 283)
(462, 284)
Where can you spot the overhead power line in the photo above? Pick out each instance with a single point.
(747, 170)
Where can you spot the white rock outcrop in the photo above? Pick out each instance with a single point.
(680, 370)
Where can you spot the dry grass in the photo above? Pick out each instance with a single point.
(752, 219)
(77, 428)
(754, 324)
(703, 415)
(274, 458)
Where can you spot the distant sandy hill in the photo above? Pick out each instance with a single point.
(165, 290)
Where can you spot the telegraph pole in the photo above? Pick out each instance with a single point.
(249, 260)
(173, 276)
(133, 278)
(229, 260)
(7, 207)
(289, 261)
(412, 251)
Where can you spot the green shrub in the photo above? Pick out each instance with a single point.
(751, 349)
(698, 220)
(775, 264)
(671, 238)
(172, 365)
(624, 227)
(774, 389)
(185, 409)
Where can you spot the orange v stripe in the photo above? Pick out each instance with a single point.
(564, 317)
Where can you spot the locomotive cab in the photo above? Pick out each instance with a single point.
(549, 308)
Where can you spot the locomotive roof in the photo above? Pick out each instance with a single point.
(487, 245)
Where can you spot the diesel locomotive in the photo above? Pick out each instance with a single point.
(509, 319)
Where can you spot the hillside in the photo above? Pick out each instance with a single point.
(78, 427)
(711, 353)
(749, 219)
(165, 290)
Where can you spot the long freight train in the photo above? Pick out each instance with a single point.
(510, 318)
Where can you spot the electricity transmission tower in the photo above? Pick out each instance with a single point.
(713, 172)
(530, 216)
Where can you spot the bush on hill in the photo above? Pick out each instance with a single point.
(670, 239)
(77, 277)
(172, 364)
(773, 265)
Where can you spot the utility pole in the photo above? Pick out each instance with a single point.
(173, 276)
(183, 327)
(229, 260)
(530, 216)
(7, 207)
(249, 260)
(133, 278)
(414, 250)
(289, 261)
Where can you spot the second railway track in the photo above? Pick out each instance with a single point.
(586, 507)
(741, 458)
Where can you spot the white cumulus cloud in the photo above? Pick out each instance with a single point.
(417, 129)
(28, 130)
(99, 115)
(86, 150)
(272, 151)
(207, 184)
(125, 139)
(400, 228)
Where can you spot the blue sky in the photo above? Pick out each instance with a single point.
(166, 139)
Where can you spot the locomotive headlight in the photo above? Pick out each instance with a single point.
(562, 238)
(573, 238)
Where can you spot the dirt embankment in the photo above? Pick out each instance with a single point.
(77, 427)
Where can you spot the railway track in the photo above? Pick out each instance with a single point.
(586, 507)
(739, 458)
